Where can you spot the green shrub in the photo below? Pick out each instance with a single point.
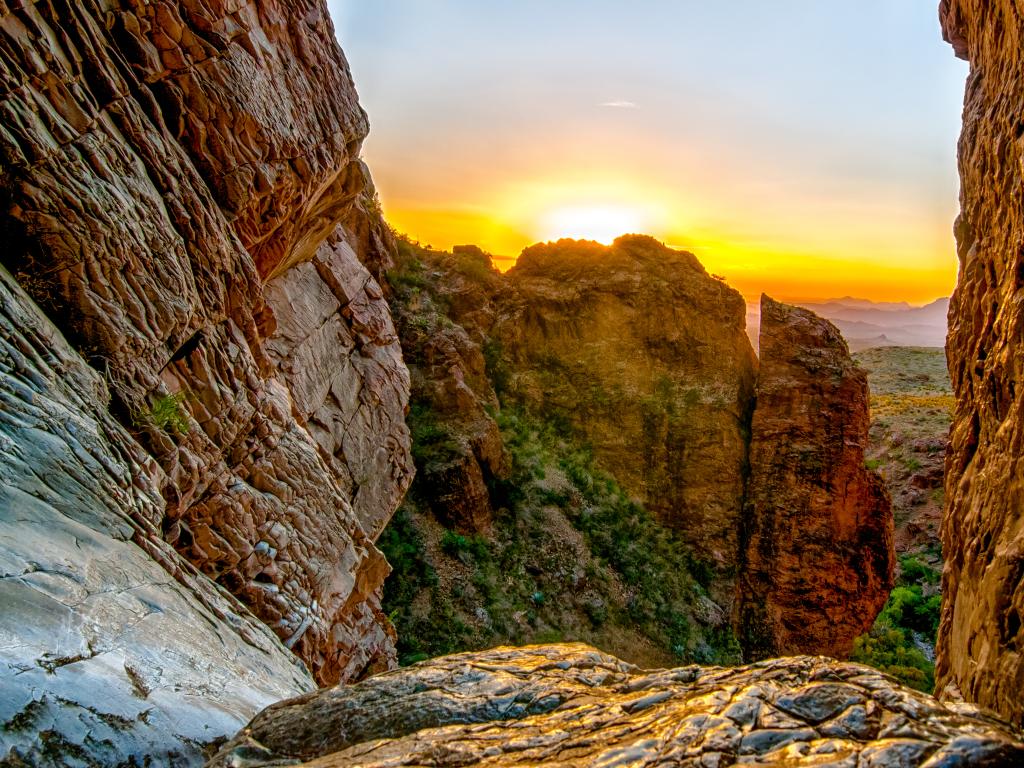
(891, 644)
(462, 547)
(167, 413)
(432, 442)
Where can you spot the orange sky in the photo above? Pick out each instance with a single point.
(793, 148)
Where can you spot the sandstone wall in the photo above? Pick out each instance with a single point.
(162, 163)
(980, 638)
(113, 650)
(645, 355)
(817, 560)
(182, 195)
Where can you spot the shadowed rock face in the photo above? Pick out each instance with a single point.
(981, 637)
(570, 705)
(182, 195)
(175, 181)
(818, 552)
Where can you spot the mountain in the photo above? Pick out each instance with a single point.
(603, 403)
(866, 324)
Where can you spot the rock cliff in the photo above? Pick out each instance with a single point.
(980, 637)
(183, 197)
(571, 705)
(818, 558)
(627, 368)
(645, 356)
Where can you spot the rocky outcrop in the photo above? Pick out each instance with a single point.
(114, 650)
(182, 195)
(175, 177)
(635, 352)
(445, 311)
(818, 552)
(571, 705)
(981, 638)
(644, 354)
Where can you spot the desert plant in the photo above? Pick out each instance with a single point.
(167, 413)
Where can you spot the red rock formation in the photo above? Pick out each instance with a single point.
(443, 330)
(818, 552)
(646, 356)
(981, 638)
(175, 175)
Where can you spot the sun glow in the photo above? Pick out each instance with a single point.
(602, 223)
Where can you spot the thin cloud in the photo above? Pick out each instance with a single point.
(619, 104)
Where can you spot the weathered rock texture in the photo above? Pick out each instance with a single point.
(112, 649)
(638, 353)
(444, 324)
(818, 552)
(573, 706)
(981, 641)
(161, 163)
(182, 195)
(645, 355)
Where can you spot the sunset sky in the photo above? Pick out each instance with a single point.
(798, 147)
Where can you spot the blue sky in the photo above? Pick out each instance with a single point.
(794, 140)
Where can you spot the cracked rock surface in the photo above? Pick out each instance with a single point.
(570, 705)
(182, 195)
(111, 647)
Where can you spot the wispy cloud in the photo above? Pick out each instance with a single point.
(619, 104)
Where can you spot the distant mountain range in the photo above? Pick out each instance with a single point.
(867, 324)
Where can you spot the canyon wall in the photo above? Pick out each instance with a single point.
(183, 197)
(818, 557)
(981, 642)
(628, 367)
(644, 355)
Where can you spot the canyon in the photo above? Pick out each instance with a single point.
(221, 372)
(629, 367)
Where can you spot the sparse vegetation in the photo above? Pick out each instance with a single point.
(167, 413)
(571, 557)
(911, 405)
(432, 442)
(902, 640)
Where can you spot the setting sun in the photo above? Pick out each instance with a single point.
(602, 223)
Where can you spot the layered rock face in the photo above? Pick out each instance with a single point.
(161, 164)
(182, 196)
(645, 355)
(635, 352)
(114, 650)
(570, 705)
(818, 552)
(980, 638)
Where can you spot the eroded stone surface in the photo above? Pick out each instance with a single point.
(112, 648)
(571, 705)
(645, 354)
(161, 162)
(981, 637)
(818, 553)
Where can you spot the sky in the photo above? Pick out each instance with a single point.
(799, 147)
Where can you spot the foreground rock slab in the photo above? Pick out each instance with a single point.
(565, 705)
